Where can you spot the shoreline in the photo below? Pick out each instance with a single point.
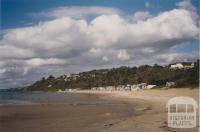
(100, 111)
(152, 113)
(80, 114)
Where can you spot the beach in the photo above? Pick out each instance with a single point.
(99, 111)
(151, 111)
(80, 113)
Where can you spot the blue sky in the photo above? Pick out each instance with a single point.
(67, 36)
(17, 13)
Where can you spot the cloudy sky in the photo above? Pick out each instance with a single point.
(39, 38)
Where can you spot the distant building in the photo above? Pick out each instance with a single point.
(109, 88)
(59, 90)
(66, 79)
(189, 66)
(177, 66)
(94, 88)
(101, 88)
(93, 75)
(170, 84)
(150, 86)
(120, 88)
(142, 85)
(104, 72)
(135, 87)
(127, 87)
(181, 66)
(74, 76)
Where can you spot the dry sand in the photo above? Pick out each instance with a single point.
(153, 117)
(138, 111)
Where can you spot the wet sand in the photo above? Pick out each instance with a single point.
(88, 113)
(139, 111)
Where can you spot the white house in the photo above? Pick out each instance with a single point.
(190, 66)
(120, 88)
(150, 86)
(142, 85)
(127, 87)
(101, 88)
(94, 88)
(74, 76)
(109, 88)
(181, 66)
(177, 66)
(139, 86)
(170, 84)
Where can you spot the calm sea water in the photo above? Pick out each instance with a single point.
(17, 98)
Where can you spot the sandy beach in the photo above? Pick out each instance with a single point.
(150, 107)
(77, 114)
(138, 111)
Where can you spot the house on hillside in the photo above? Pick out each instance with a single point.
(120, 88)
(177, 66)
(101, 88)
(93, 75)
(94, 88)
(74, 76)
(150, 86)
(170, 84)
(110, 88)
(66, 77)
(189, 66)
(182, 66)
(142, 85)
(128, 87)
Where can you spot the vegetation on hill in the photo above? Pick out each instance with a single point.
(156, 75)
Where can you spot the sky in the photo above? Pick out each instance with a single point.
(40, 38)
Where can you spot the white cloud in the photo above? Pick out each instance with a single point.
(177, 57)
(2, 71)
(123, 55)
(141, 15)
(38, 62)
(66, 38)
(10, 52)
(106, 40)
(79, 11)
(95, 50)
(172, 26)
(187, 5)
(148, 50)
(57, 38)
(107, 29)
(105, 58)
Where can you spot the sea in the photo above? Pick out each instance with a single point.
(33, 98)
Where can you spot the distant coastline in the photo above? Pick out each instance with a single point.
(183, 74)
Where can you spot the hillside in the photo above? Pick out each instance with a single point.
(156, 75)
